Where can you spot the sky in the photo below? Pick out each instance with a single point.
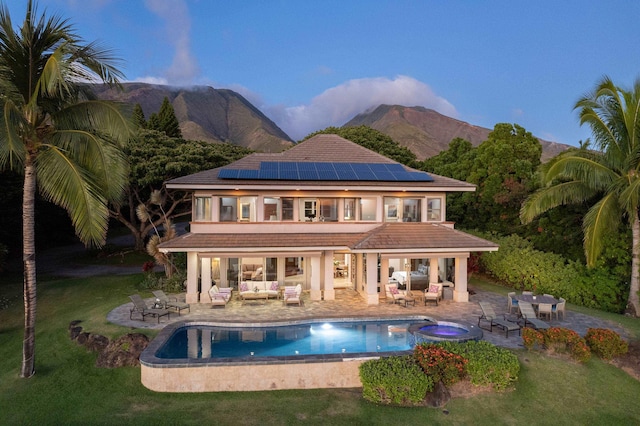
(311, 64)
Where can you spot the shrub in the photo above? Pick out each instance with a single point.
(565, 340)
(531, 337)
(488, 365)
(157, 281)
(518, 265)
(607, 344)
(439, 363)
(394, 380)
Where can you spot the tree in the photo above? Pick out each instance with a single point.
(154, 158)
(607, 178)
(168, 120)
(138, 117)
(374, 140)
(66, 144)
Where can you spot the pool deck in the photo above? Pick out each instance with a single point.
(349, 304)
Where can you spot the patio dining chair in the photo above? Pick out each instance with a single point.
(544, 309)
(512, 302)
(558, 308)
(529, 317)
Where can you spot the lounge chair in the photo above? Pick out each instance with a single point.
(141, 307)
(529, 317)
(394, 294)
(170, 302)
(292, 295)
(488, 315)
(433, 293)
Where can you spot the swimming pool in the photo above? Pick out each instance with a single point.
(202, 342)
(192, 356)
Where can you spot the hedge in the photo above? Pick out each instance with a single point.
(518, 265)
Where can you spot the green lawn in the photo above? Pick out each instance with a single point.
(68, 389)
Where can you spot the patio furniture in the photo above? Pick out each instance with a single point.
(489, 315)
(393, 294)
(433, 293)
(141, 307)
(530, 293)
(529, 316)
(512, 302)
(219, 299)
(544, 309)
(535, 300)
(293, 296)
(559, 308)
(170, 301)
(224, 292)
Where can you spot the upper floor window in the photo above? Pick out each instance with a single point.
(228, 209)
(367, 209)
(434, 209)
(349, 209)
(202, 209)
(402, 209)
(328, 209)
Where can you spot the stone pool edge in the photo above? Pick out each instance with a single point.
(256, 374)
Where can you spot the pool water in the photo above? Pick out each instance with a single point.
(204, 342)
(444, 330)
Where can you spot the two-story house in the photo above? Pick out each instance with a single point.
(325, 208)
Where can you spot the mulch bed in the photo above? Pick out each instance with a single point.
(630, 362)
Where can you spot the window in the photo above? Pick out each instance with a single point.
(328, 208)
(287, 209)
(434, 209)
(203, 209)
(271, 208)
(368, 209)
(392, 208)
(411, 210)
(349, 209)
(309, 210)
(228, 209)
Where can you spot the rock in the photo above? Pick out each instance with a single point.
(123, 351)
(82, 338)
(439, 397)
(73, 323)
(96, 342)
(74, 332)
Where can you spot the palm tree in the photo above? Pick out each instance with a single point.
(609, 176)
(67, 144)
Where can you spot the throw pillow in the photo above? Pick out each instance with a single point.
(244, 286)
(433, 288)
(275, 286)
(393, 290)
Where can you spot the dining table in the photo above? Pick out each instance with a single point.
(536, 299)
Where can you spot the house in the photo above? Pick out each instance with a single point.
(324, 210)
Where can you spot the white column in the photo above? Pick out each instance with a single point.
(281, 270)
(215, 208)
(329, 292)
(460, 293)
(359, 273)
(192, 277)
(205, 279)
(372, 279)
(384, 272)
(433, 269)
(316, 293)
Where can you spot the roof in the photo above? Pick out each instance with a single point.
(386, 237)
(318, 149)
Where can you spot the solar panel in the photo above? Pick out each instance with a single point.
(306, 170)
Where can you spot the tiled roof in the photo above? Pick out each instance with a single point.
(389, 236)
(320, 148)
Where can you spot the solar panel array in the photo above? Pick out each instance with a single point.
(306, 171)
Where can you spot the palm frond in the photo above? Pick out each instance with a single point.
(602, 218)
(547, 198)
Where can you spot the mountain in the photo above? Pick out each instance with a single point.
(206, 114)
(427, 132)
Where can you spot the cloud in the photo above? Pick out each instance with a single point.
(337, 105)
(152, 80)
(184, 68)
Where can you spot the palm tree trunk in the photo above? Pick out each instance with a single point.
(633, 307)
(29, 259)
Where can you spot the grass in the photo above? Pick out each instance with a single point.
(69, 389)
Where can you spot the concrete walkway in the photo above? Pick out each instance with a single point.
(349, 304)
